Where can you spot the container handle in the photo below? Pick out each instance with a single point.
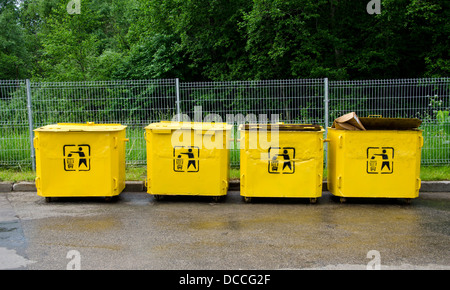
(35, 142)
(418, 183)
(225, 185)
(116, 183)
(339, 182)
(420, 141)
(37, 181)
(341, 141)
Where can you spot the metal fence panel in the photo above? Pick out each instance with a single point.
(137, 103)
(427, 99)
(14, 133)
(237, 102)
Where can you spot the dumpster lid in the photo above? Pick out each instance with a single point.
(281, 127)
(352, 122)
(81, 127)
(390, 123)
(205, 126)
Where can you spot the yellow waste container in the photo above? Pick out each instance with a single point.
(80, 160)
(281, 161)
(381, 161)
(188, 158)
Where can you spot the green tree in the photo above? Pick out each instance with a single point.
(189, 39)
(14, 56)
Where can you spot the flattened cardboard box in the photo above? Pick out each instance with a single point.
(348, 122)
(352, 122)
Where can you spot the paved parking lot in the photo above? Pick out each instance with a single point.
(137, 232)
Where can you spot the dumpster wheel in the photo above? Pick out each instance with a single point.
(247, 199)
(157, 197)
(313, 200)
(217, 198)
(343, 200)
(48, 199)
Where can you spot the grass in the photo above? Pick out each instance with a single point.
(15, 175)
(427, 173)
(435, 173)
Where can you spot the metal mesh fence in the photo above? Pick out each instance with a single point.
(238, 102)
(14, 133)
(426, 99)
(139, 103)
(132, 103)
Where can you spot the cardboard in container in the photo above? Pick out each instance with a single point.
(348, 122)
(352, 122)
(391, 123)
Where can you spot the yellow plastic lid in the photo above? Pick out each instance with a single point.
(168, 125)
(281, 127)
(80, 127)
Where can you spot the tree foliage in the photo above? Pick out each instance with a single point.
(198, 40)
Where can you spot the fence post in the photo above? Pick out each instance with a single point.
(30, 124)
(325, 105)
(177, 88)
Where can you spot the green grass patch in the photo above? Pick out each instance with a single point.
(135, 173)
(234, 173)
(427, 173)
(15, 175)
(435, 173)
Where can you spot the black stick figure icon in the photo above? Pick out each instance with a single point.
(82, 156)
(191, 158)
(385, 158)
(286, 158)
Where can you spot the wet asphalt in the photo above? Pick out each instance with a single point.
(136, 232)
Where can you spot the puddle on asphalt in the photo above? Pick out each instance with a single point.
(11, 260)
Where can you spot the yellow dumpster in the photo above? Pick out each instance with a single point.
(289, 164)
(80, 160)
(188, 158)
(379, 159)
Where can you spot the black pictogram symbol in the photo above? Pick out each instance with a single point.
(281, 160)
(77, 157)
(380, 160)
(186, 159)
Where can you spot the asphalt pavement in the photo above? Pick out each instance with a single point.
(136, 232)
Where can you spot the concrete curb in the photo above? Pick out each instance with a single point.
(234, 185)
(24, 186)
(435, 186)
(134, 186)
(6, 186)
(130, 186)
